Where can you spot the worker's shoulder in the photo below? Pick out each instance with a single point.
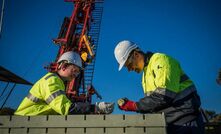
(50, 75)
(162, 58)
(159, 56)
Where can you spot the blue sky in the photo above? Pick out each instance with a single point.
(188, 30)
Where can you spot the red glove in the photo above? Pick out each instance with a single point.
(127, 105)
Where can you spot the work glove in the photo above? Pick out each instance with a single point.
(127, 105)
(104, 107)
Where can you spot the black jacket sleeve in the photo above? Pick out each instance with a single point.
(153, 103)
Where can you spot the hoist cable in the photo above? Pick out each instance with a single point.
(4, 89)
(8, 96)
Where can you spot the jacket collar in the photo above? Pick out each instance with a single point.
(147, 57)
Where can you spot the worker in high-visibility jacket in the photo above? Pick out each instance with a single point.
(166, 87)
(47, 96)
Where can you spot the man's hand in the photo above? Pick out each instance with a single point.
(127, 105)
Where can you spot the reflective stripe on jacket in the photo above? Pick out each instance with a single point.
(168, 89)
(47, 96)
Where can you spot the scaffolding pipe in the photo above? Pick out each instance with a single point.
(1, 19)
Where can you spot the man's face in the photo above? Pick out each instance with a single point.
(70, 72)
(134, 63)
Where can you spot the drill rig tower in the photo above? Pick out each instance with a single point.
(80, 33)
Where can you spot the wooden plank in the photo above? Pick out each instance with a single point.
(4, 131)
(18, 122)
(85, 131)
(56, 131)
(114, 130)
(73, 120)
(37, 131)
(18, 131)
(4, 119)
(155, 119)
(36, 122)
(36, 119)
(94, 130)
(133, 130)
(82, 121)
(56, 121)
(22, 121)
(92, 121)
(75, 130)
(156, 130)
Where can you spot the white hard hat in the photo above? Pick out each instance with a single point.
(71, 57)
(122, 51)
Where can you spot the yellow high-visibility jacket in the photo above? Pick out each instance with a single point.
(47, 96)
(168, 90)
(165, 73)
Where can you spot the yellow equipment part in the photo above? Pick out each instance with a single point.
(84, 56)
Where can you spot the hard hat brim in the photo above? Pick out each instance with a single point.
(121, 65)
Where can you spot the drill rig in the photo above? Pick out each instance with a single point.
(80, 33)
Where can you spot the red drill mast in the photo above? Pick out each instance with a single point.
(80, 33)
